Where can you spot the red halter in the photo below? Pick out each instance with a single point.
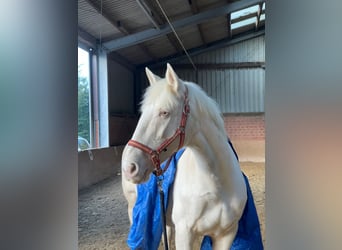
(154, 154)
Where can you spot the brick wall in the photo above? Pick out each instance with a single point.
(245, 127)
(247, 133)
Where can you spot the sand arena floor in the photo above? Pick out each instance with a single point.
(102, 211)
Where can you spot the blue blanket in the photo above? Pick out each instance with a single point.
(146, 229)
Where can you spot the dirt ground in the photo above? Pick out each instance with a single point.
(102, 210)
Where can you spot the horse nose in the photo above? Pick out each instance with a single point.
(131, 170)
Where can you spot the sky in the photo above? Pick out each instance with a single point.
(83, 59)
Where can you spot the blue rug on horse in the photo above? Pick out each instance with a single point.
(146, 230)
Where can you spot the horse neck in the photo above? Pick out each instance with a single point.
(210, 146)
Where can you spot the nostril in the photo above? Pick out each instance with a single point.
(132, 169)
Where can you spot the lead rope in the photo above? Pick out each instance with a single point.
(162, 208)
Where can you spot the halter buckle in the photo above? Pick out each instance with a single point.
(181, 129)
(155, 158)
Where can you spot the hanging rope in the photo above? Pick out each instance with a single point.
(174, 31)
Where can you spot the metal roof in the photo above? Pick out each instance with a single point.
(143, 32)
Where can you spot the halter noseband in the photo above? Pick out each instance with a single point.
(154, 154)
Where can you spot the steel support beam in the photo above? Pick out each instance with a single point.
(229, 24)
(146, 35)
(211, 46)
(157, 19)
(218, 66)
(260, 11)
(86, 39)
(242, 18)
(117, 25)
(149, 14)
(103, 97)
(103, 13)
(161, 20)
(194, 9)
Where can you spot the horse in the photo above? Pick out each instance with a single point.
(209, 192)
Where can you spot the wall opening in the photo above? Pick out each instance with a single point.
(84, 100)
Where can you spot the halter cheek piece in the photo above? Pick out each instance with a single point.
(154, 154)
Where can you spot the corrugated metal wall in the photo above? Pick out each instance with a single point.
(252, 50)
(235, 90)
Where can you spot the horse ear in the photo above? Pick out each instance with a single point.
(152, 78)
(172, 78)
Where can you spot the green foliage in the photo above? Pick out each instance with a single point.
(83, 106)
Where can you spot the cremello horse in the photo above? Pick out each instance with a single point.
(209, 192)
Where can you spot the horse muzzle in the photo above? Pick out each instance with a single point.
(135, 166)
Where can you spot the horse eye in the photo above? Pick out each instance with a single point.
(164, 114)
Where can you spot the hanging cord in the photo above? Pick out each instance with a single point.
(174, 31)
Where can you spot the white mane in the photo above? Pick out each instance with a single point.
(206, 107)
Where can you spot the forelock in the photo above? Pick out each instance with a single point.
(159, 94)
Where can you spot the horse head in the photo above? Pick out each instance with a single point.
(161, 129)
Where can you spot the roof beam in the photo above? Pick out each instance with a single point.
(242, 18)
(117, 24)
(229, 24)
(211, 46)
(148, 12)
(86, 39)
(201, 17)
(232, 65)
(158, 19)
(194, 9)
(103, 13)
(260, 11)
(250, 15)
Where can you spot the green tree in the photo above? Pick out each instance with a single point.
(83, 106)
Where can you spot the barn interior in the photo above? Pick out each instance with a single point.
(217, 44)
(220, 45)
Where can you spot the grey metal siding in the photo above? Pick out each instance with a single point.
(239, 90)
(252, 50)
(235, 90)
